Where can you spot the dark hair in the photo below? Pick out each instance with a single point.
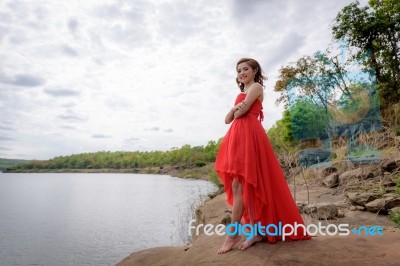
(256, 67)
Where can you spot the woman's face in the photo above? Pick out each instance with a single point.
(245, 73)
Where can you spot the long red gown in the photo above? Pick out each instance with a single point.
(246, 153)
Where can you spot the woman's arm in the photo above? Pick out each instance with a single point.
(229, 116)
(253, 93)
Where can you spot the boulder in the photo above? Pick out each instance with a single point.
(300, 206)
(388, 182)
(320, 171)
(327, 212)
(391, 164)
(361, 198)
(392, 203)
(377, 205)
(391, 195)
(395, 209)
(360, 208)
(352, 208)
(329, 170)
(308, 209)
(358, 173)
(331, 181)
(320, 211)
(226, 220)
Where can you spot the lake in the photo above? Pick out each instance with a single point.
(92, 219)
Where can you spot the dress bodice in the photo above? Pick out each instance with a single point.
(255, 108)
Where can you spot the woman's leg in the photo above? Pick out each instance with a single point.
(256, 237)
(237, 212)
(237, 208)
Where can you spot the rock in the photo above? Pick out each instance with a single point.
(329, 170)
(392, 203)
(308, 209)
(361, 198)
(377, 205)
(391, 189)
(389, 198)
(395, 209)
(352, 208)
(391, 164)
(354, 182)
(388, 183)
(392, 195)
(226, 220)
(359, 173)
(331, 181)
(320, 211)
(327, 212)
(321, 172)
(340, 214)
(300, 206)
(360, 208)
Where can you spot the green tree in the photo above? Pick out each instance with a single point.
(375, 31)
(281, 133)
(308, 120)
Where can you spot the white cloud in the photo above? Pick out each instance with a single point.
(101, 136)
(84, 76)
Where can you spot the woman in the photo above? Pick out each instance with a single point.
(254, 182)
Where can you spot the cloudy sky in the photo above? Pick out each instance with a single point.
(89, 75)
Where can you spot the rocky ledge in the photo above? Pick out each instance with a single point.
(350, 200)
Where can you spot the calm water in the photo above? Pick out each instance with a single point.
(92, 219)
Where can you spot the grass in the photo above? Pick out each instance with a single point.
(185, 216)
(398, 185)
(389, 152)
(379, 190)
(214, 178)
(203, 172)
(339, 153)
(394, 216)
(363, 151)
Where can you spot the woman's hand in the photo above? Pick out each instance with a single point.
(242, 106)
(253, 93)
(240, 109)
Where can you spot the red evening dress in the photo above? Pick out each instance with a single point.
(246, 153)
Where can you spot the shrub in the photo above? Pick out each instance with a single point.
(394, 216)
(199, 163)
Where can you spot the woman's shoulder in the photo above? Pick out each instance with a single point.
(257, 84)
(256, 87)
(257, 90)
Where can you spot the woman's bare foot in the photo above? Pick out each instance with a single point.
(249, 243)
(230, 241)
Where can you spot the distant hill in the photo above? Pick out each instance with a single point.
(5, 163)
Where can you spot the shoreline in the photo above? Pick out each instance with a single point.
(184, 172)
(187, 172)
(326, 250)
